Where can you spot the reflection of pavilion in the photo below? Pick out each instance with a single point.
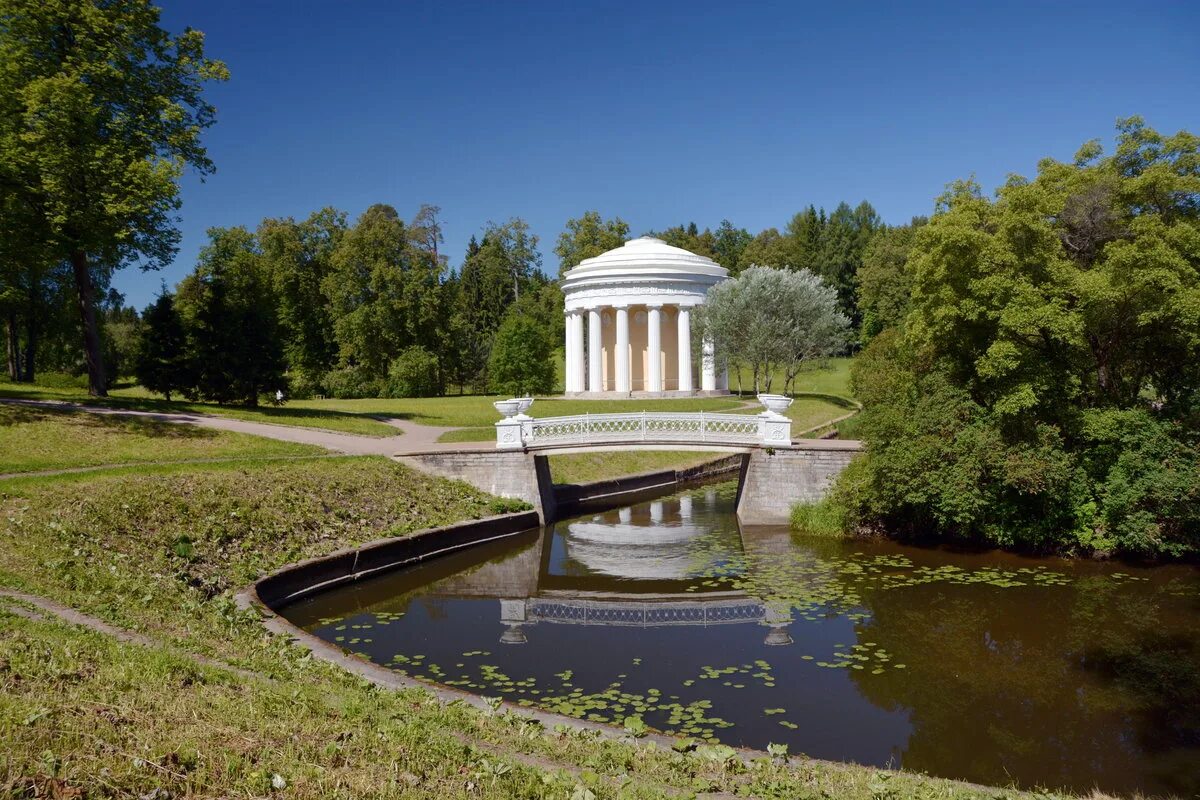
(637, 566)
(631, 567)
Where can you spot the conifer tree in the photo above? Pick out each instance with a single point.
(161, 357)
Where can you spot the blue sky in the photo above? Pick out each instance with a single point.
(658, 112)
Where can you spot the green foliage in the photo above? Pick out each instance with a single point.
(766, 319)
(235, 348)
(521, 362)
(587, 237)
(414, 373)
(884, 280)
(103, 111)
(298, 258)
(1044, 391)
(825, 518)
(161, 362)
(352, 382)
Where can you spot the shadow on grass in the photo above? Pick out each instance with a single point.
(157, 405)
(11, 415)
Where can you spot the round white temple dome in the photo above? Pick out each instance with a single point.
(647, 254)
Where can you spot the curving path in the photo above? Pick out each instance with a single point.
(413, 439)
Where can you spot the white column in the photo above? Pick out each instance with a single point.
(622, 359)
(654, 346)
(708, 367)
(568, 353)
(573, 380)
(594, 373)
(685, 349)
(580, 366)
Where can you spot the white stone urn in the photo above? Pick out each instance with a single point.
(508, 408)
(523, 404)
(776, 403)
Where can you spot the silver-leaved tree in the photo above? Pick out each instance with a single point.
(771, 322)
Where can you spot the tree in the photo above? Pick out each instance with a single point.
(768, 249)
(521, 361)
(690, 238)
(108, 112)
(298, 256)
(766, 319)
(499, 271)
(234, 338)
(729, 245)
(885, 280)
(587, 237)
(366, 290)
(161, 361)
(1044, 391)
(414, 373)
(843, 241)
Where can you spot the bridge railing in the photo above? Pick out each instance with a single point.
(645, 426)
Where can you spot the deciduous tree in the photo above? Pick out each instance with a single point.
(107, 112)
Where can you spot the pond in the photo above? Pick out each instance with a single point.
(988, 667)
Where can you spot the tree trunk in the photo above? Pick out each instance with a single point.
(14, 366)
(31, 337)
(85, 292)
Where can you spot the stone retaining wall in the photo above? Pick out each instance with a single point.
(774, 480)
(318, 574)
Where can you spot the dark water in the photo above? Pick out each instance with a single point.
(987, 667)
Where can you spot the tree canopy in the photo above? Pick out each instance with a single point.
(103, 109)
(767, 319)
(1044, 389)
(587, 237)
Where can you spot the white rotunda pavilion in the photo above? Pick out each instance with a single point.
(635, 304)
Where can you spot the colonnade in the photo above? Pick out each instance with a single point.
(584, 354)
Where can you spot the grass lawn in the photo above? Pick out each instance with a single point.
(160, 550)
(357, 416)
(136, 397)
(43, 439)
(829, 377)
(476, 411)
(589, 467)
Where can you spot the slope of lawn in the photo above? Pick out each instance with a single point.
(44, 439)
(161, 550)
(831, 376)
(589, 467)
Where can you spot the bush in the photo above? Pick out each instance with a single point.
(521, 361)
(414, 373)
(351, 383)
(61, 380)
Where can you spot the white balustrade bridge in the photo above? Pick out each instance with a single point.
(701, 429)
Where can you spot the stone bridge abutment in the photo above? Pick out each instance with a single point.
(771, 479)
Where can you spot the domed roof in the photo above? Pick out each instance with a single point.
(647, 254)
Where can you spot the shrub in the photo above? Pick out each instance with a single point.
(350, 383)
(521, 361)
(61, 380)
(414, 373)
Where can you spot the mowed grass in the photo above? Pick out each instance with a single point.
(135, 397)
(589, 467)
(360, 416)
(831, 376)
(45, 439)
(476, 411)
(162, 549)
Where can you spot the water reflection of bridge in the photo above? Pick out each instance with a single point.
(639, 566)
(630, 567)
